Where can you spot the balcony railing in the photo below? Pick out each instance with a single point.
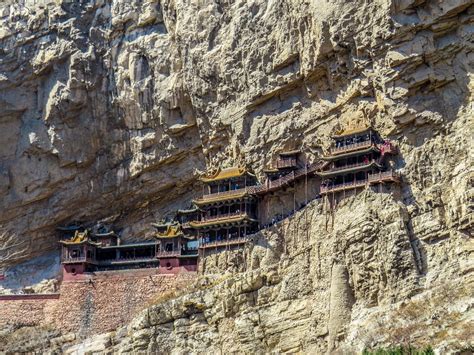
(345, 186)
(221, 217)
(286, 163)
(127, 260)
(349, 147)
(351, 166)
(218, 243)
(223, 194)
(77, 259)
(168, 254)
(384, 176)
(390, 176)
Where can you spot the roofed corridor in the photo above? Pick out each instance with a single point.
(228, 218)
(351, 167)
(288, 178)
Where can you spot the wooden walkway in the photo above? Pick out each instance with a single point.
(222, 243)
(287, 179)
(382, 177)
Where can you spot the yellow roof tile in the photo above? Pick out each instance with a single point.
(79, 237)
(171, 232)
(348, 132)
(222, 174)
(229, 196)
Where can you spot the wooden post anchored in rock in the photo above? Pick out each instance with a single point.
(306, 201)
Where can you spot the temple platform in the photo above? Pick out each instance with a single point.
(224, 195)
(382, 177)
(222, 220)
(223, 243)
(386, 176)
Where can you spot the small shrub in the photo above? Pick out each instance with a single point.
(400, 350)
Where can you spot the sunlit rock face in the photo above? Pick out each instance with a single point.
(110, 109)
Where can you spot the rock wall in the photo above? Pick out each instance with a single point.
(312, 288)
(109, 106)
(109, 109)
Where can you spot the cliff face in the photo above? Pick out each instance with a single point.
(109, 109)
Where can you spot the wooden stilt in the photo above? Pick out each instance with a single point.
(306, 200)
(294, 200)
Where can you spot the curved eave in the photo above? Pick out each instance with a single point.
(71, 243)
(69, 228)
(226, 174)
(351, 132)
(289, 153)
(108, 234)
(189, 237)
(163, 225)
(349, 170)
(65, 242)
(163, 236)
(350, 153)
(209, 201)
(227, 222)
(194, 210)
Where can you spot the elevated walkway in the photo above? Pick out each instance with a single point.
(223, 243)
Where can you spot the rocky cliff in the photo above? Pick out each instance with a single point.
(110, 109)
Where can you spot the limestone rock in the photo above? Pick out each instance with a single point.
(109, 109)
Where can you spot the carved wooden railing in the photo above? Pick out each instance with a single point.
(221, 217)
(226, 242)
(356, 165)
(384, 176)
(372, 178)
(168, 254)
(131, 259)
(223, 193)
(286, 163)
(78, 259)
(347, 185)
(349, 147)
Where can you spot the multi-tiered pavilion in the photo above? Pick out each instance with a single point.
(175, 248)
(355, 161)
(228, 208)
(78, 254)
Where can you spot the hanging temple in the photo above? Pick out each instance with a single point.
(234, 206)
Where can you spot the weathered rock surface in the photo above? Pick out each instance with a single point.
(108, 109)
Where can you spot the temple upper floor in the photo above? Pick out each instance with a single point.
(232, 178)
